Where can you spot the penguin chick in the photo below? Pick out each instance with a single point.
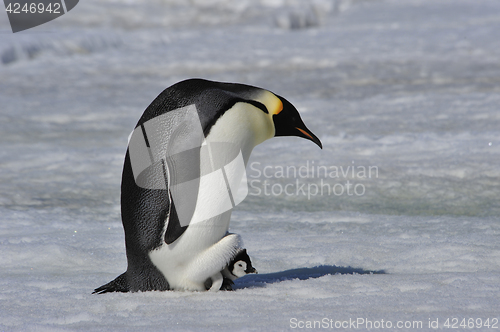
(175, 204)
(239, 266)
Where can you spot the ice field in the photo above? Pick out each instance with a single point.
(394, 225)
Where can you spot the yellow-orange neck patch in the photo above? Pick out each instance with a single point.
(272, 103)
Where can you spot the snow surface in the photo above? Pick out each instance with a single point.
(408, 88)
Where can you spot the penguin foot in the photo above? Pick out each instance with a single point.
(217, 282)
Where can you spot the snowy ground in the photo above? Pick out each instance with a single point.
(408, 88)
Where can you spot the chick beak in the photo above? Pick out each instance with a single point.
(251, 270)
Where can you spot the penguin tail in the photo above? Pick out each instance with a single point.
(120, 284)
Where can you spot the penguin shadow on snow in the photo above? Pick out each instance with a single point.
(261, 280)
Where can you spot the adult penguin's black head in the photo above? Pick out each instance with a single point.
(287, 122)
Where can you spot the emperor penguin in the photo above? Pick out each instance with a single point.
(184, 162)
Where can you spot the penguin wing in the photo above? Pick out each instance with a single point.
(174, 228)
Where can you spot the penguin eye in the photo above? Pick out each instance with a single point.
(240, 265)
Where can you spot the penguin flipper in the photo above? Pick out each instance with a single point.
(120, 284)
(174, 228)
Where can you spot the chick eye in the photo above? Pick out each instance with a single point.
(240, 265)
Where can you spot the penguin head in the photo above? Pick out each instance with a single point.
(239, 269)
(287, 122)
(241, 265)
(285, 117)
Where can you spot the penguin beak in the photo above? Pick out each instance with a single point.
(252, 270)
(306, 133)
(288, 122)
